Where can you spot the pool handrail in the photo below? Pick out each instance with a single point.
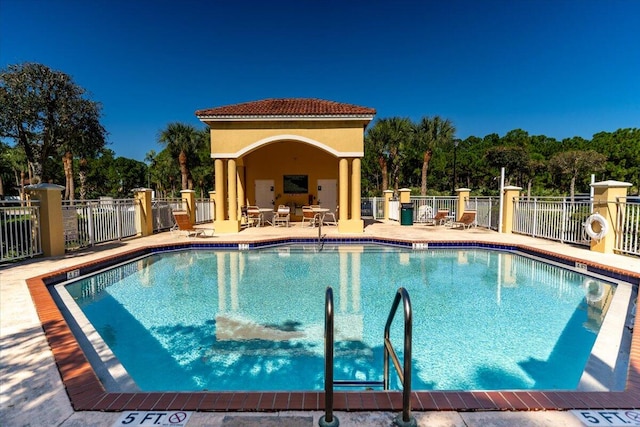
(404, 373)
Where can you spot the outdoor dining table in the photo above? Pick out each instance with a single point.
(319, 213)
(264, 212)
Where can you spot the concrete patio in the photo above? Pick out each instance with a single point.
(32, 392)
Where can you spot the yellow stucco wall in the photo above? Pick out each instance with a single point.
(230, 138)
(289, 158)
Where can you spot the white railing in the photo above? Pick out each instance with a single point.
(628, 225)
(161, 209)
(372, 207)
(425, 207)
(89, 222)
(394, 210)
(553, 219)
(203, 211)
(19, 230)
(487, 211)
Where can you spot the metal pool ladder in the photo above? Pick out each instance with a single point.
(404, 373)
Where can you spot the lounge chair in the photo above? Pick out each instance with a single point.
(308, 215)
(281, 216)
(184, 224)
(467, 220)
(440, 217)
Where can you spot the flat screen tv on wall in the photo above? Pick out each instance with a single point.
(295, 184)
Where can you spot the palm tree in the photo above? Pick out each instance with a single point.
(386, 138)
(430, 135)
(183, 141)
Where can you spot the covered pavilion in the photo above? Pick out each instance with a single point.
(291, 151)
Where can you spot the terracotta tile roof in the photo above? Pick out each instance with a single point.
(287, 107)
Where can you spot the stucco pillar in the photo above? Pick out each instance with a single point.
(219, 192)
(405, 195)
(463, 196)
(212, 204)
(511, 194)
(51, 224)
(343, 197)
(232, 184)
(605, 194)
(388, 195)
(144, 211)
(355, 189)
(189, 203)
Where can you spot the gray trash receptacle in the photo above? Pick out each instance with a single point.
(406, 214)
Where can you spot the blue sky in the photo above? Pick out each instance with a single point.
(561, 68)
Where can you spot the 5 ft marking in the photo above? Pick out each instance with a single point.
(154, 418)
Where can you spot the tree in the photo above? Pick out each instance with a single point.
(42, 110)
(183, 142)
(430, 135)
(388, 139)
(576, 163)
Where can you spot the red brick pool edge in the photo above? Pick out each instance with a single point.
(86, 392)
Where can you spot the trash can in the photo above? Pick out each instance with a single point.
(406, 214)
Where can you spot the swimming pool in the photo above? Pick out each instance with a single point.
(483, 320)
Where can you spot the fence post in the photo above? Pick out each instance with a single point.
(605, 194)
(463, 196)
(144, 214)
(189, 203)
(511, 193)
(405, 195)
(387, 198)
(51, 224)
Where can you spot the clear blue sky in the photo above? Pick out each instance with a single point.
(561, 68)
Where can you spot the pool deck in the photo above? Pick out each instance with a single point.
(32, 391)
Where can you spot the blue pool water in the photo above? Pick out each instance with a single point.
(254, 320)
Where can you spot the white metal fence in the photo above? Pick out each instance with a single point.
(19, 230)
(425, 207)
(487, 211)
(553, 218)
(204, 212)
(161, 209)
(89, 222)
(628, 225)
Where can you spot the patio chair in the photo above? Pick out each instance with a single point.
(309, 216)
(330, 217)
(184, 224)
(254, 216)
(439, 218)
(467, 220)
(281, 216)
(425, 214)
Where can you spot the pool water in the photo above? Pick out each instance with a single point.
(254, 320)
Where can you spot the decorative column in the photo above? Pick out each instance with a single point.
(388, 194)
(144, 212)
(405, 195)
(219, 192)
(605, 195)
(232, 183)
(51, 223)
(189, 203)
(511, 194)
(356, 204)
(343, 190)
(463, 196)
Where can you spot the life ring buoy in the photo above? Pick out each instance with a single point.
(604, 226)
(593, 290)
